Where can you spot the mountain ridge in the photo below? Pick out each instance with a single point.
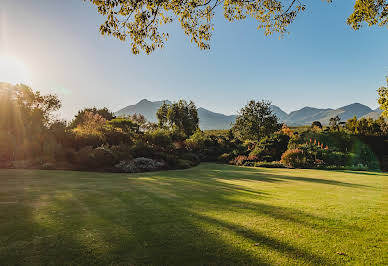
(213, 120)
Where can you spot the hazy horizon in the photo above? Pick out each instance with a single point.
(55, 46)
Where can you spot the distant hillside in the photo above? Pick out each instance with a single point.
(207, 119)
(279, 113)
(375, 114)
(144, 107)
(304, 116)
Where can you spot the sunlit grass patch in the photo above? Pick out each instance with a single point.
(210, 214)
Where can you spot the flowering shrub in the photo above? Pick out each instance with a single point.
(239, 160)
(294, 158)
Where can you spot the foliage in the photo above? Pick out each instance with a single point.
(255, 121)
(30, 136)
(192, 157)
(383, 98)
(225, 158)
(271, 148)
(367, 126)
(25, 122)
(362, 155)
(334, 123)
(140, 164)
(274, 164)
(294, 158)
(316, 124)
(239, 160)
(160, 140)
(85, 114)
(140, 22)
(180, 115)
(371, 12)
(184, 164)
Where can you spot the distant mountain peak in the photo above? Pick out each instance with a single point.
(213, 120)
(144, 101)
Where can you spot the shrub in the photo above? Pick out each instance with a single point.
(121, 152)
(225, 158)
(183, 164)
(294, 158)
(191, 157)
(271, 147)
(48, 166)
(160, 139)
(273, 164)
(85, 158)
(333, 158)
(239, 160)
(104, 157)
(141, 149)
(137, 165)
(366, 156)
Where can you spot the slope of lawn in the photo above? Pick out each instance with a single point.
(210, 214)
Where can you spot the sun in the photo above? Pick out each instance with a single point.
(14, 71)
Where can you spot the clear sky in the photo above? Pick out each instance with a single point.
(56, 46)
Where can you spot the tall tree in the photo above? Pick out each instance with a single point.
(334, 122)
(383, 99)
(255, 121)
(180, 115)
(84, 115)
(140, 20)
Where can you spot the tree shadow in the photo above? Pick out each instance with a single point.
(362, 172)
(149, 218)
(255, 174)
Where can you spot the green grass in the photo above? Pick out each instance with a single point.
(210, 214)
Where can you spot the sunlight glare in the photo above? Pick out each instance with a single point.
(14, 71)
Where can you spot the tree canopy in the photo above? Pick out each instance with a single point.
(383, 99)
(256, 121)
(181, 116)
(84, 115)
(140, 21)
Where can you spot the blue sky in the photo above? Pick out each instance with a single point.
(321, 63)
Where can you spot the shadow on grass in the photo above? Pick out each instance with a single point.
(242, 173)
(362, 172)
(151, 218)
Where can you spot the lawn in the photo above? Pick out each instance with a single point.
(210, 214)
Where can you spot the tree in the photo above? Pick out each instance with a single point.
(383, 99)
(255, 121)
(161, 114)
(83, 115)
(180, 115)
(334, 122)
(140, 20)
(371, 12)
(25, 121)
(92, 124)
(316, 124)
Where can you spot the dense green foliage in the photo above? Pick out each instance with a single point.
(383, 99)
(30, 137)
(180, 116)
(141, 21)
(211, 214)
(83, 115)
(255, 121)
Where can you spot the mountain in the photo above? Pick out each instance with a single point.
(207, 119)
(144, 107)
(307, 115)
(304, 116)
(279, 113)
(211, 120)
(375, 114)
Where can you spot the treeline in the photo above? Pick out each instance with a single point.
(31, 137)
